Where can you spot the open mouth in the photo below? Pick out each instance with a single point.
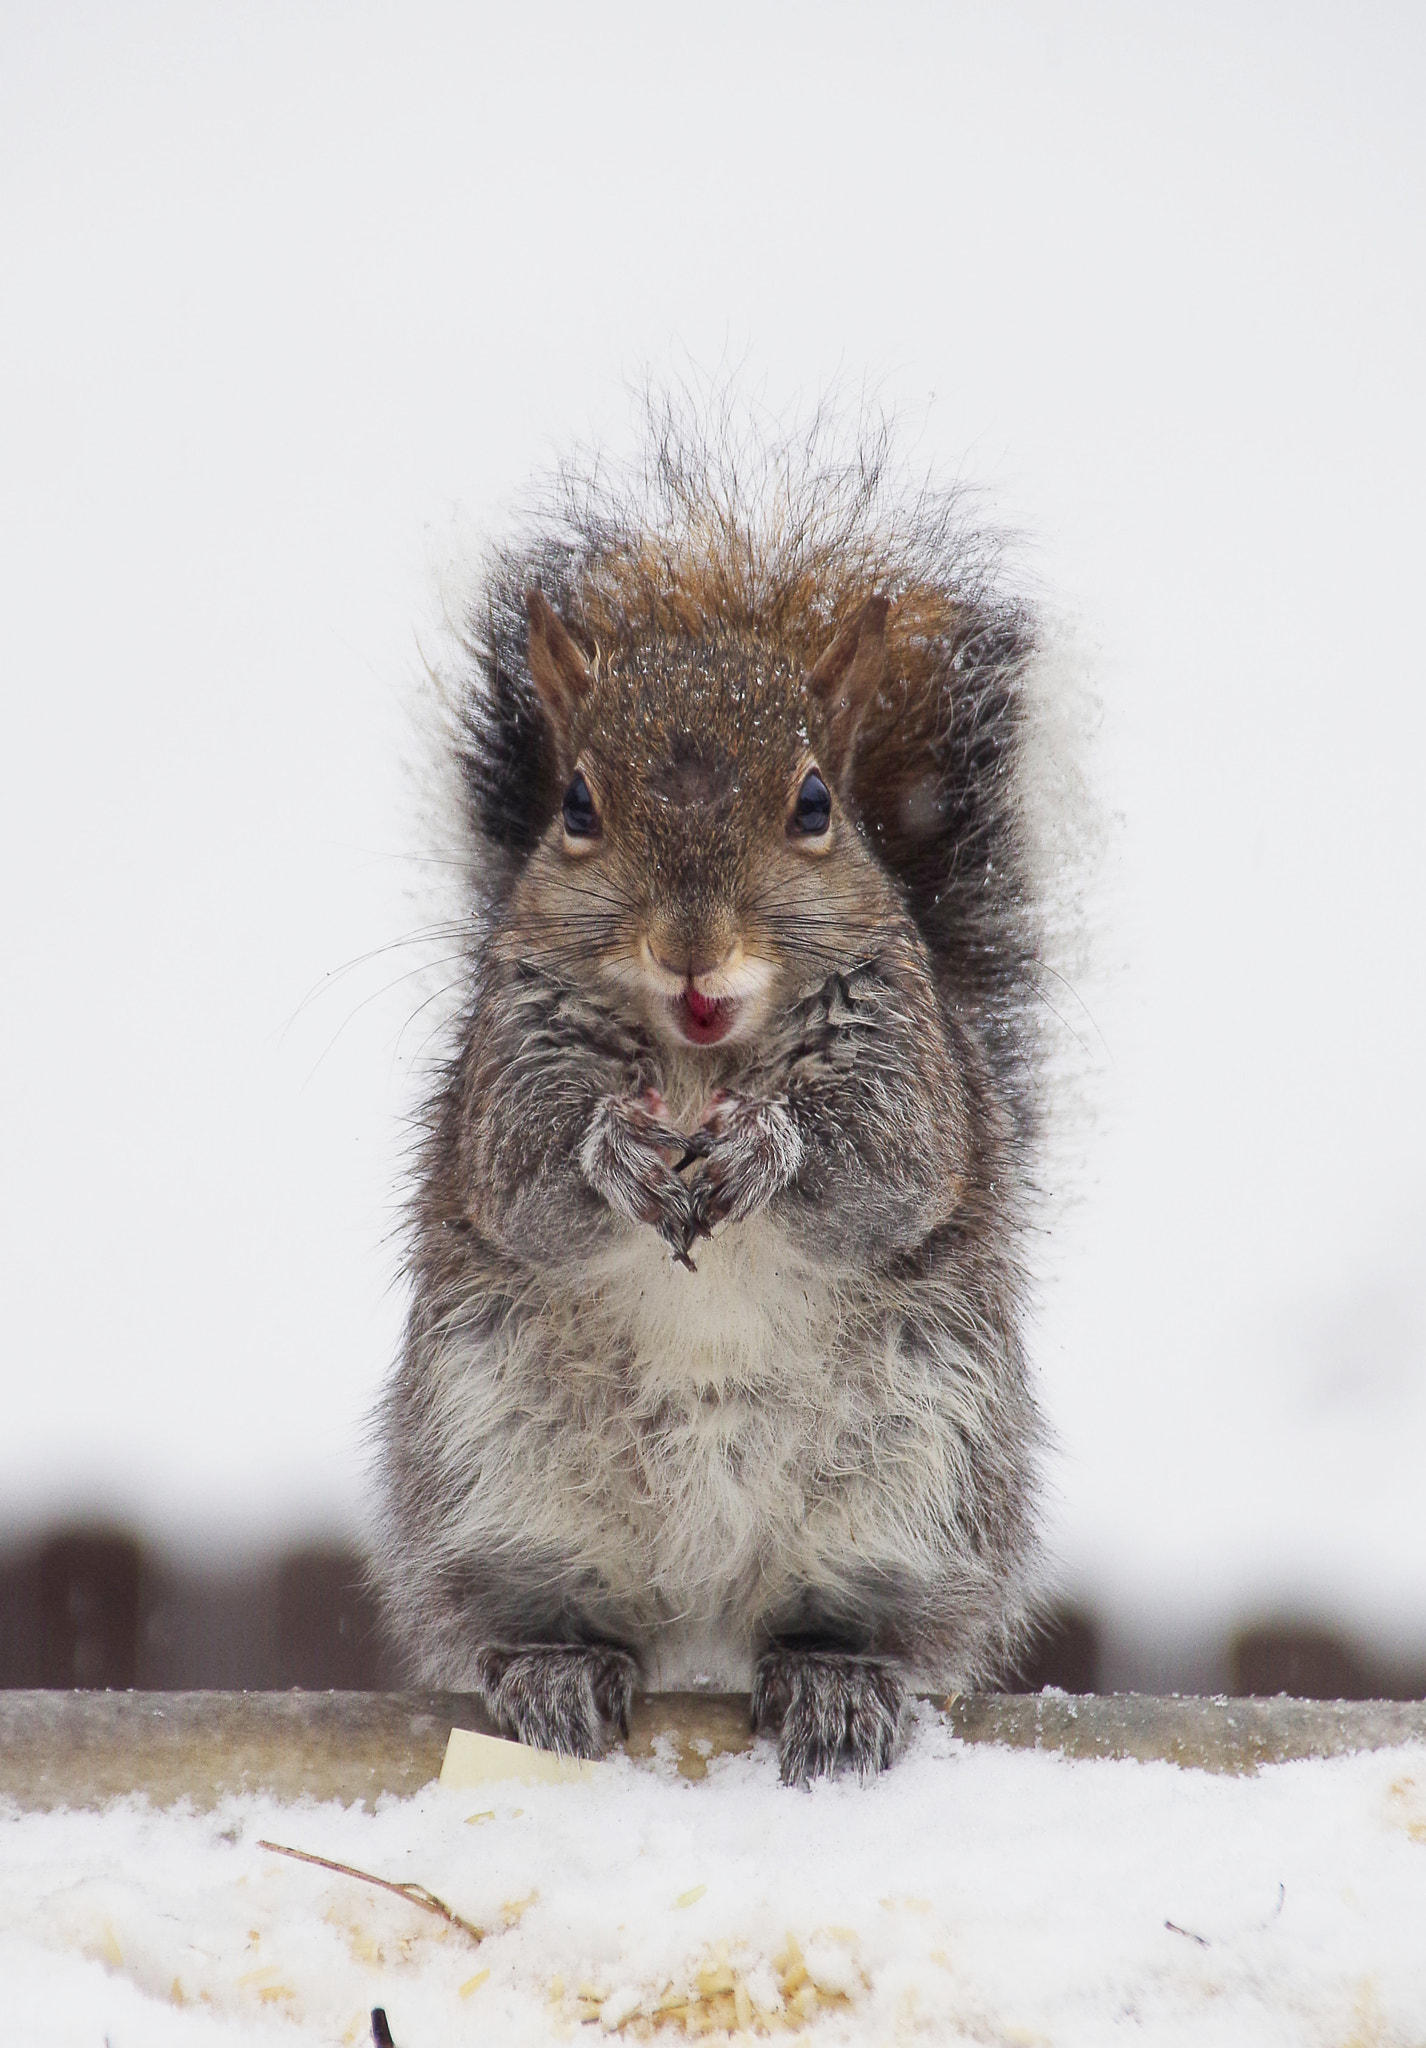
(703, 1020)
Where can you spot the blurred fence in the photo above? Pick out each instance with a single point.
(93, 1608)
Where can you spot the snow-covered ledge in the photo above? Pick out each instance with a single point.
(80, 1749)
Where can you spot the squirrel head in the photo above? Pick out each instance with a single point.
(703, 869)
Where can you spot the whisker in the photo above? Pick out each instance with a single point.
(1065, 983)
(1062, 1021)
(436, 996)
(426, 967)
(452, 929)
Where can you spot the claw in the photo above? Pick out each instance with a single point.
(697, 1145)
(557, 1696)
(830, 1704)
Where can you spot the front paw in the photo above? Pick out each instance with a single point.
(571, 1700)
(746, 1151)
(629, 1155)
(827, 1704)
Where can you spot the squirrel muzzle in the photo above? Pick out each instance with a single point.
(704, 984)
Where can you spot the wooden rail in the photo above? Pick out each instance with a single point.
(82, 1749)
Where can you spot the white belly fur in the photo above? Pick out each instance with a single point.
(749, 1307)
(700, 1440)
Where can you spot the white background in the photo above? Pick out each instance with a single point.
(296, 298)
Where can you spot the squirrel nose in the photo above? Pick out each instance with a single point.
(698, 954)
(709, 966)
(690, 967)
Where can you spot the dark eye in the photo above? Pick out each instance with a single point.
(813, 810)
(581, 820)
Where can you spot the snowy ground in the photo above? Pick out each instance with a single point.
(973, 1894)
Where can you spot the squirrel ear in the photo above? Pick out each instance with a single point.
(557, 668)
(848, 675)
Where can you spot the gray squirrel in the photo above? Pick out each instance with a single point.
(714, 1369)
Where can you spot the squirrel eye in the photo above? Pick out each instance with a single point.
(812, 812)
(581, 820)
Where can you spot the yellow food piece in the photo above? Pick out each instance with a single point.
(791, 1955)
(473, 1983)
(473, 1759)
(691, 1898)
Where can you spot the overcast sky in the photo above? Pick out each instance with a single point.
(294, 301)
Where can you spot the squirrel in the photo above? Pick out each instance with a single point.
(714, 1368)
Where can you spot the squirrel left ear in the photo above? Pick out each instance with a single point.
(557, 668)
(848, 675)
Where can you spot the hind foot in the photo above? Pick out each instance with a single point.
(828, 1704)
(572, 1700)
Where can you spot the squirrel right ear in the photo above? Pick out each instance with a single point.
(557, 668)
(848, 675)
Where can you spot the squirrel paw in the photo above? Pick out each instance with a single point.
(628, 1157)
(571, 1700)
(747, 1151)
(828, 1704)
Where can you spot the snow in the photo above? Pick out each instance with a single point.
(972, 1894)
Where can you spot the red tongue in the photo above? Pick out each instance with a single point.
(700, 1008)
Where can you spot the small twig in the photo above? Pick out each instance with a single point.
(417, 1894)
(1187, 1933)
